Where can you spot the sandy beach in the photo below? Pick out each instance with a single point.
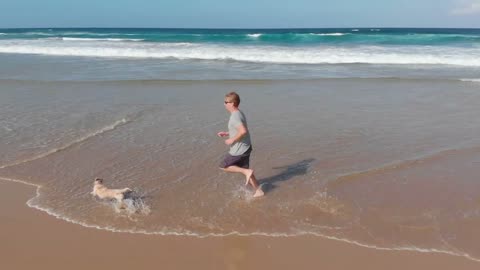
(32, 239)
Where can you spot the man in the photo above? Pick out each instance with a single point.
(238, 158)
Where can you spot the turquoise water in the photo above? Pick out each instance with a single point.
(222, 54)
(285, 37)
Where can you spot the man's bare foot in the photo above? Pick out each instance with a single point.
(248, 176)
(259, 192)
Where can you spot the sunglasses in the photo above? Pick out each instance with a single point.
(226, 102)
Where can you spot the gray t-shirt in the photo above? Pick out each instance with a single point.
(241, 146)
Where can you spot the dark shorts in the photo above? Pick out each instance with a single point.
(242, 161)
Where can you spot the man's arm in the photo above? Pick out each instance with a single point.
(241, 131)
(222, 134)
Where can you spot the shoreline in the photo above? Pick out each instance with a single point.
(41, 241)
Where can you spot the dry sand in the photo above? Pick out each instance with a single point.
(31, 239)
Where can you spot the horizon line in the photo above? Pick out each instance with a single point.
(239, 28)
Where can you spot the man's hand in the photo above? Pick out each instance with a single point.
(222, 134)
(229, 141)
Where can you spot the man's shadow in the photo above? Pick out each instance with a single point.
(287, 173)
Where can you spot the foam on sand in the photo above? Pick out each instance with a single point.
(79, 140)
(31, 203)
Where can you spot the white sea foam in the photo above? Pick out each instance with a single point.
(133, 206)
(255, 35)
(261, 54)
(72, 33)
(39, 33)
(329, 34)
(470, 80)
(87, 33)
(100, 39)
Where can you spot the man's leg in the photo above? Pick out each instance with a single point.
(258, 189)
(249, 176)
(247, 172)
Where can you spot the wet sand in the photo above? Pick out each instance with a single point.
(31, 239)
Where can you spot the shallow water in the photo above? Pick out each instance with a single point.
(388, 163)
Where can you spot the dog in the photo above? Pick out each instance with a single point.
(103, 192)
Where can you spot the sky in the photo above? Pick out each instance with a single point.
(240, 13)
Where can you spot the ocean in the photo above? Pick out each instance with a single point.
(257, 53)
(365, 135)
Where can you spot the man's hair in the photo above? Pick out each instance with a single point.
(233, 97)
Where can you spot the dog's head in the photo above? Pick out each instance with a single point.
(98, 181)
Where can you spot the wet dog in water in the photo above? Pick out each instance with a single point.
(103, 192)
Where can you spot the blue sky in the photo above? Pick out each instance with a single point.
(239, 14)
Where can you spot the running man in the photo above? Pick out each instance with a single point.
(237, 159)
